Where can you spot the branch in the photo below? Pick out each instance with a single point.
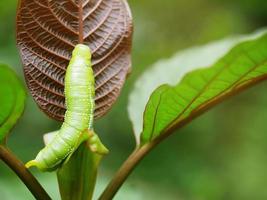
(130, 164)
(125, 170)
(26, 177)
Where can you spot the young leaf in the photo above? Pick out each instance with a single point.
(77, 178)
(207, 84)
(12, 98)
(47, 32)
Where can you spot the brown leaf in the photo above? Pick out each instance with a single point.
(47, 32)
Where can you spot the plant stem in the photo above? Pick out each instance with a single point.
(22, 172)
(125, 170)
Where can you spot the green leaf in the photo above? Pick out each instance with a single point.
(200, 81)
(12, 99)
(77, 178)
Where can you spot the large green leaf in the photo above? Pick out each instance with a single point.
(200, 81)
(12, 98)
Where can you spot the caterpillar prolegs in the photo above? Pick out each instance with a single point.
(78, 124)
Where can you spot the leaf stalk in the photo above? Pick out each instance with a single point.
(23, 173)
(126, 169)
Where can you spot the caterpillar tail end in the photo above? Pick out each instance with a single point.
(32, 163)
(97, 146)
(99, 149)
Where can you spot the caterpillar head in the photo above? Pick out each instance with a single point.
(82, 51)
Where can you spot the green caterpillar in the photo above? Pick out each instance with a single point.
(78, 124)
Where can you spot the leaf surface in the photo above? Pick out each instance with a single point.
(12, 99)
(77, 178)
(47, 32)
(204, 77)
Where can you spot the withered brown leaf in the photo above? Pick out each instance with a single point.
(48, 30)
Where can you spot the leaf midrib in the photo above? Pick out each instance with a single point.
(80, 39)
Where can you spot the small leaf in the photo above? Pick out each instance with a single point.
(77, 178)
(12, 99)
(47, 32)
(207, 84)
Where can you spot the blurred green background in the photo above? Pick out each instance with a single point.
(221, 155)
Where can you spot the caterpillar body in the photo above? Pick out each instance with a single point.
(79, 93)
